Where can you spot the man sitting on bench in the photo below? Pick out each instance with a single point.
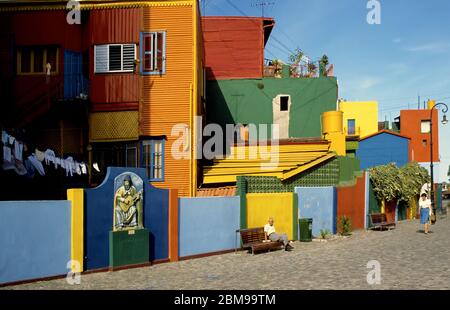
(270, 233)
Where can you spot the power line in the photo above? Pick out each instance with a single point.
(290, 51)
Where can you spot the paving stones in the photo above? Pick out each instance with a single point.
(409, 259)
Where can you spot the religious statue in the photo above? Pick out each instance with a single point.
(128, 204)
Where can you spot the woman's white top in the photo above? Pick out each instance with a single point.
(425, 204)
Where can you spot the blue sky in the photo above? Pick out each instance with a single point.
(407, 55)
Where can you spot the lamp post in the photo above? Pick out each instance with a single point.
(444, 122)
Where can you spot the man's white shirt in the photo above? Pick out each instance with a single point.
(269, 229)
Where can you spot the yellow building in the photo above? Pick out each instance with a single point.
(360, 118)
(172, 91)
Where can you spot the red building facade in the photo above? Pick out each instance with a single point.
(416, 124)
(234, 46)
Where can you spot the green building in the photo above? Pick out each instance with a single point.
(295, 104)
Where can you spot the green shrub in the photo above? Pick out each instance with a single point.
(324, 233)
(345, 225)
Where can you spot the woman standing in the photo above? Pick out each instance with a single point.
(425, 211)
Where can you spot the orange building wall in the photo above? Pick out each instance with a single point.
(410, 125)
(172, 98)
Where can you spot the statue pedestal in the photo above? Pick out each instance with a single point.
(128, 247)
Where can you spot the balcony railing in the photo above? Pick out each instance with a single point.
(352, 131)
(294, 71)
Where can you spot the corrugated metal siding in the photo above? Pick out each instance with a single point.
(234, 47)
(115, 25)
(114, 92)
(46, 28)
(167, 98)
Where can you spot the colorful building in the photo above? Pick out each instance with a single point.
(416, 124)
(360, 117)
(235, 46)
(241, 90)
(118, 82)
(382, 148)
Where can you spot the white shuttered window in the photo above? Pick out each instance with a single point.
(110, 58)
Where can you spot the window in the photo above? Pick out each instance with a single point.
(284, 103)
(351, 126)
(153, 53)
(111, 58)
(153, 159)
(425, 126)
(33, 59)
(115, 154)
(424, 143)
(131, 155)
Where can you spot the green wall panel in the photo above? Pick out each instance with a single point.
(325, 174)
(347, 168)
(250, 102)
(128, 247)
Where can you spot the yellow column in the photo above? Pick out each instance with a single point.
(76, 196)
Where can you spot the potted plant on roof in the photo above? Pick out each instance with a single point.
(278, 67)
(295, 60)
(312, 69)
(323, 64)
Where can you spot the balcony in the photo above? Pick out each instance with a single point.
(352, 132)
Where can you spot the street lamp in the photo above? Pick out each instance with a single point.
(444, 122)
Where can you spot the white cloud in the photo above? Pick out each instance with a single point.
(397, 68)
(368, 82)
(436, 47)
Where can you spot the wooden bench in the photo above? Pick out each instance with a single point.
(379, 221)
(253, 239)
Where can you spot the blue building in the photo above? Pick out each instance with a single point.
(383, 148)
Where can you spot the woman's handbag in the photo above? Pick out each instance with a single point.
(433, 219)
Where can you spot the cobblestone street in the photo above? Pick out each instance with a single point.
(409, 260)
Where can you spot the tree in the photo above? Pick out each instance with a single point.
(402, 184)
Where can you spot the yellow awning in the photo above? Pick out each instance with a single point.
(283, 162)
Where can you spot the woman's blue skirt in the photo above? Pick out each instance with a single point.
(424, 215)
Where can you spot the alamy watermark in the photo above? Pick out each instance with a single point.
(214, 141)
(74, 275)
(374, 15)
(74, 15)
(374, 275)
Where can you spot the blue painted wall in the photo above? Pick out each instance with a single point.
(99, 219)
(383, 149)
(320, 204)
(34, 239)
(208, 225)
